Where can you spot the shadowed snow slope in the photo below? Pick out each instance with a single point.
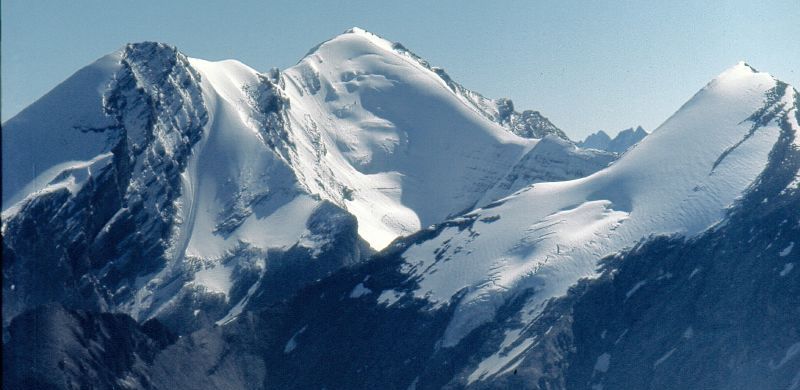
(37, 145)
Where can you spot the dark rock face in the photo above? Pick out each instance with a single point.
(264, 278)
(716, 312)
(96, 242)
(290, 270)
(270, 103)
(331, 334)
(531, 124)
(120, 225)
(51, 347)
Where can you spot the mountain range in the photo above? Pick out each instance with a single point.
(361, 220)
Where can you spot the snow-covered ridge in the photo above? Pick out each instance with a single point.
(678, 181)
(197, 191)
(526, 124)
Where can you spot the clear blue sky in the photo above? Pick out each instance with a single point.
(585, 64)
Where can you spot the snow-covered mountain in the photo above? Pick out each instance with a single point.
(680, 180)
(360, 220)
(619, 144)
(182, 188)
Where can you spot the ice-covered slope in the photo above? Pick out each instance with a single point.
(182, 188)
(679, 180)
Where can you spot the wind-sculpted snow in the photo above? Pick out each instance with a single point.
(552, 159)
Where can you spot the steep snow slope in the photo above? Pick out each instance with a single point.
(679, 180)
(196, 191)
(526, 124)
(371, 127)
(399, 144)
(237, 187)
(239, 194)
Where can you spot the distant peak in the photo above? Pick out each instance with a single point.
(600, 133)
(619, 144)
(634, 130)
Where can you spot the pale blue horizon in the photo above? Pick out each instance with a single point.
(585, 65)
